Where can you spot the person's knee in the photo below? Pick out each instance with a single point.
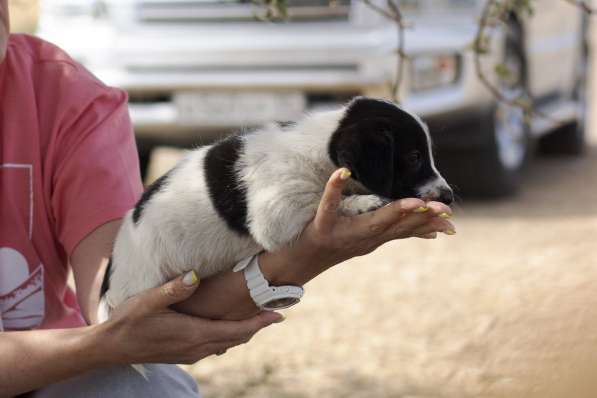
(169, 380)
(124, 381)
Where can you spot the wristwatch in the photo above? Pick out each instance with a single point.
(267, 297)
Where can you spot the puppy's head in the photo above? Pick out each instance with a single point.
(388, 151)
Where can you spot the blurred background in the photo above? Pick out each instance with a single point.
(506, 308)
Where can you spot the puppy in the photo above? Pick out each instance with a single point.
(256, 191)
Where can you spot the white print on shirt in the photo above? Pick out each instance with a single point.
(21, 292)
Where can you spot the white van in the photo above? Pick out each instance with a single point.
(197, 69)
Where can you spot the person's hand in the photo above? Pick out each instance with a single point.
(332, 238)
(145, 330)
(346, 237)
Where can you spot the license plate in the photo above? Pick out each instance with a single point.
(231, 109)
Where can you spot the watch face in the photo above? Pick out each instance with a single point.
(281, 303)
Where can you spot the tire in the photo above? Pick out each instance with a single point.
(493, 168)
(570, 139)
(482, 172)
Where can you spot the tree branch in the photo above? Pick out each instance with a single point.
(493, 12)
(394, 14)
(500, 11)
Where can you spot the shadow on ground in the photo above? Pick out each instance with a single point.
(551, 186)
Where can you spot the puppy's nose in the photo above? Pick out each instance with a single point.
(446, 195)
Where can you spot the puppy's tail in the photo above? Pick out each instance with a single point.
(104, 307)
(103, 310)
(141, 370)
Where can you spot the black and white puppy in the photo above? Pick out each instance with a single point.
(246, 193)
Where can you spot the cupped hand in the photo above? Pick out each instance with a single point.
(145, 330)
(332, 238)
(361, 234)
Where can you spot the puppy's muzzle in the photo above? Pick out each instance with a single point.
(446, 195)
(437, 190)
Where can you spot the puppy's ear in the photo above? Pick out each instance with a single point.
(369, 155)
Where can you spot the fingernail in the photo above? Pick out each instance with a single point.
(421, 209)
(345, 174)
(190, 279)
(445, 215)
(450, 232)
(281, 319)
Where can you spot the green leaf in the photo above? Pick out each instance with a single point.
(503, 72)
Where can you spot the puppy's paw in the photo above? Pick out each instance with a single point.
(359, 204)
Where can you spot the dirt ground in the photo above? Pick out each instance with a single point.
(506, 308)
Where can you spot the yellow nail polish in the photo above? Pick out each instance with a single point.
(421, 209)
(190, 278)
(450, 232)
(280, 320)
(345, 174)
(445, 215)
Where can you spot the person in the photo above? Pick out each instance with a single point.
(68, 174)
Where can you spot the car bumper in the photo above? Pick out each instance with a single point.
(336, 62)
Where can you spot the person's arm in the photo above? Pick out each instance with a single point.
(328, 240)
(142, 330)
(89, 261)
(31, 359)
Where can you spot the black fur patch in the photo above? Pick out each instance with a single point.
(152, 189)
(285, 124)
(375, 140)
(226, 193)
(106, 281)
(363, 108)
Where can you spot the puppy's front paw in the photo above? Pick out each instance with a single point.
(359, 204)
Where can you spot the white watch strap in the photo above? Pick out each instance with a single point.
(258, 286)
(242, 264)
(260, 290)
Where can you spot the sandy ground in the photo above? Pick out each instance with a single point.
(506, 308)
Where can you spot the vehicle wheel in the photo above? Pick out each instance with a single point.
(493, 168)
(570, 138)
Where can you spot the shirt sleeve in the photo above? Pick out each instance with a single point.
(96, 175)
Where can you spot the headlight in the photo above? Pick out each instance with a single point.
(434, 71)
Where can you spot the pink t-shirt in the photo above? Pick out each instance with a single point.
(68, 164)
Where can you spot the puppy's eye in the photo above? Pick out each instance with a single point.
(414, 158)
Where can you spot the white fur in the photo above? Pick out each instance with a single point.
(284, 172)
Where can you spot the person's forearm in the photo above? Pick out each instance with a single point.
(32, 359)
(89, 261)
(225, 296)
